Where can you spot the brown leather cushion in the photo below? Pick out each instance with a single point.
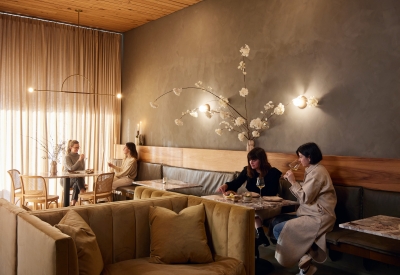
(349, 203)
(178, 238)
(376, 202)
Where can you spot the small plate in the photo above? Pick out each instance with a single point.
(272, 198)
(72, 172)
(89, 171)
(255, 195)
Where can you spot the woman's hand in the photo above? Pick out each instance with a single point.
(289, 176)
(81, 157)
(222, 188)
(111, 165)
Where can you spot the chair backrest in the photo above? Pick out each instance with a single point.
(33, 186)
(14, 174)
(103, 183)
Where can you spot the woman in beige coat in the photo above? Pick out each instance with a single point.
(301, 238)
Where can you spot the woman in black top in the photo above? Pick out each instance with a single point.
(258, 166)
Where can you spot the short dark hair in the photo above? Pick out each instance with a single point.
(310, 150)
(132, 148)
(258, 153)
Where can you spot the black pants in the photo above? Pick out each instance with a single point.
(76, 184)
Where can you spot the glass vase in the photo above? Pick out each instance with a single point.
(250, 145)
(53, 167)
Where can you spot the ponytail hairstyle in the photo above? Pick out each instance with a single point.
(132, 148)
(71, 143)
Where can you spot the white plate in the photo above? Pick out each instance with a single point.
(272, 198)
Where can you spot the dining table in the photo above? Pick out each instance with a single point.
(380, 225)
(67, 176)
(255, 203)
(169, 185)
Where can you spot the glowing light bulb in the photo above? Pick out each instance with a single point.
(30, 89)
(300, 101)
(119, 95)
(204, 108)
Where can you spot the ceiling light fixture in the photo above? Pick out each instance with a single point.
(31, 90)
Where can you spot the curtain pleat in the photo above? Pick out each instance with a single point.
(47, 56)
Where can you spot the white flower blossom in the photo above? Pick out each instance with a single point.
(268, 106)
(280, 109)
(243, 92)
(208, 114)
(241, 136)
(177, 91)
(255, 133)
(245, 50)
(198, 84)
(312, 101)
(153, 104)
(239, 121)
(224, 115)
(218, 131)
(178, 122)
(223, 102)
(194, 114)
(256, 124)
(242, 67)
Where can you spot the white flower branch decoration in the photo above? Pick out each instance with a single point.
(233, 120)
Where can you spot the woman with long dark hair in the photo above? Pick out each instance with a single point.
(126, 173)
(258, 167)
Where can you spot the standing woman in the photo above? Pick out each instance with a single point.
(302, 236)
(125, 174)
(258, 167)
(73, 162)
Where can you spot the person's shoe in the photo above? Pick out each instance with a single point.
(262, 239)
(309, 271)
(305, 261)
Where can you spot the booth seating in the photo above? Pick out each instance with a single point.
(123, 232)
(209, 180)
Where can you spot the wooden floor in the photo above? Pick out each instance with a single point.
(349, 264)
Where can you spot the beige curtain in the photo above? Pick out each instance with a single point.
(51, 56)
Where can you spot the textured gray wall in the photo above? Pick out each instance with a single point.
(346, 53)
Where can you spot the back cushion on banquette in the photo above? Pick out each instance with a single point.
(149, 171)
(210, 180)
(349, 203)
(376, 202)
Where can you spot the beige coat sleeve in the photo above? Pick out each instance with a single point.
(128, 168)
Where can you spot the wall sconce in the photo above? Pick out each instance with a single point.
(300, 101)
(204, 108)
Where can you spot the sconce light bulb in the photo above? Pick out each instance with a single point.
(300, 102)
(204, 108)
(119, 95)
(30, 89)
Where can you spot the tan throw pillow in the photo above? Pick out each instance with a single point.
(178, 238)
(89, 255)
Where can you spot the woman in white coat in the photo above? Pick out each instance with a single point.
(301, 238)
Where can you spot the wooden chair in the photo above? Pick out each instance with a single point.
(16, 190)
(34, 190)
(102, 189)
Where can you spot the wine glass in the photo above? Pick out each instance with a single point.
(294, 165)
(260, 184)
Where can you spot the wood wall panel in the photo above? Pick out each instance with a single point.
(373, 173)
(214, 160)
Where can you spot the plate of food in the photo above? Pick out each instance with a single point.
(272, 198)
(232, 196)
(89, 171)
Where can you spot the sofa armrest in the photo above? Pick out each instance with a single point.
(43, 249)
(230, 230)
(8, 237)
(144, 192)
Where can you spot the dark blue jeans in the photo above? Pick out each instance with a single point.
(279, 222)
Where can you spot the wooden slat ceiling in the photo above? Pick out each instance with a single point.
(111, 15)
